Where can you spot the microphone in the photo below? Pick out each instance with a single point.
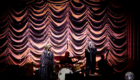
(67, 45)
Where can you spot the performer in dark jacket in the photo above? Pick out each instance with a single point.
(46, 63)
(90, 54)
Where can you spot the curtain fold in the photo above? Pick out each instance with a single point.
(28, 26)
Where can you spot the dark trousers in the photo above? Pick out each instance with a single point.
(90, 66)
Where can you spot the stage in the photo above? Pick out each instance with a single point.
(26, 26)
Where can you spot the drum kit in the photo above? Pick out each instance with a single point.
(60, 72)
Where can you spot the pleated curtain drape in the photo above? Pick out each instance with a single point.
(27, 26)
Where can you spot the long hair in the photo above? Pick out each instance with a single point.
(47, 47)
(90, 44)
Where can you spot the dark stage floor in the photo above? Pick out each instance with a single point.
(70, 77)
(14, 75)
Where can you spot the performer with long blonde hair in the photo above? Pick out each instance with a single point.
(46, 63)
(90, 54)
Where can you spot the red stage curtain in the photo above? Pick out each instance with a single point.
(27, 26)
